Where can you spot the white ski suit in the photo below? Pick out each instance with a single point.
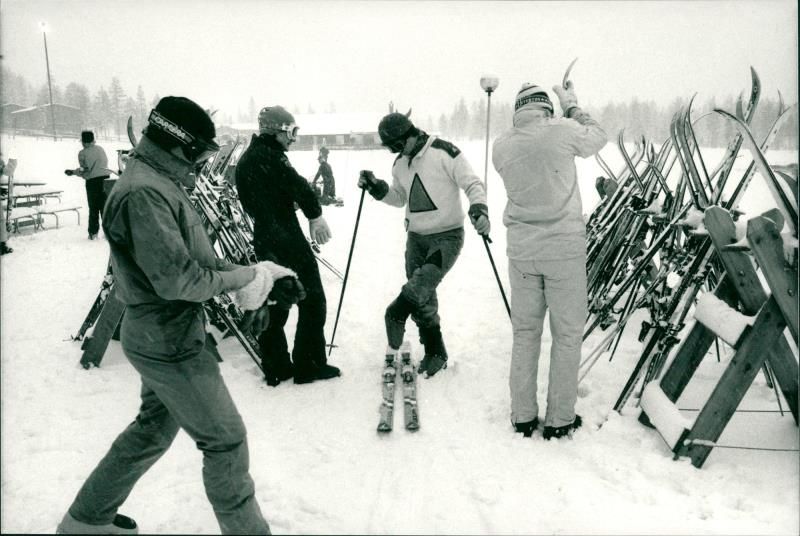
(547, 254)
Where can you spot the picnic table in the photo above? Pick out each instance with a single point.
(4, 182)
(34, 195)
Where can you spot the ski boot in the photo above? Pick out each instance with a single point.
(435, 358)
(551, 432)
(526, 428)
(121, 525)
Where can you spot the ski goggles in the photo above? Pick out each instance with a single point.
(396, 145)
(195, 149)
(291, 131)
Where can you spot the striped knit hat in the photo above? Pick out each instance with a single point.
(534, 97)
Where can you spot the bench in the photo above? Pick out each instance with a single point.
(22, 216)
(54, 210)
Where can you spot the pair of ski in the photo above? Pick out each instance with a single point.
(408, 376)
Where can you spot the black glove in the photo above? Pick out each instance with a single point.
(376, 187)
(256, 320)
(69, 172)
(287, 291)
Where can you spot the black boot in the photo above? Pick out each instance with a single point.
(4, 248)
(396, 315)
(316, 372)
(527, 428)
(435, 353)
(551, 432)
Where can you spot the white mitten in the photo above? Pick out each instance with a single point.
(566, 97)
(254, 294)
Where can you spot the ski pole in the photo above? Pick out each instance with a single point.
(346, 271)
(486, 241)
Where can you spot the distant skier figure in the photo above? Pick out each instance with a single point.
(426, 178)
(94, 169)
(269, 187)
(328, 195)
(546, 250)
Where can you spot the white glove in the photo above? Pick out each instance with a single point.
(319, 230)
(254, 294)
(566, 96)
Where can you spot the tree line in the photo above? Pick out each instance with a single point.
(636, 118)
(107, 110)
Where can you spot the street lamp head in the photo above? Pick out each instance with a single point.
(43, 26)
(489, 83)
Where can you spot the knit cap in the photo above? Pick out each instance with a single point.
(531, 96)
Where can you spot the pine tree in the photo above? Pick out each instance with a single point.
(77, 95)
(117, 104)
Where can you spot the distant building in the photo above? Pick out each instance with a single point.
(38, 120)
(332, 130)
(5, 114)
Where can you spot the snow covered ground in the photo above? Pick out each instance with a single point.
(317, 461)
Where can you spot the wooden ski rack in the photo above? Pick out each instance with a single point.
(762, 344)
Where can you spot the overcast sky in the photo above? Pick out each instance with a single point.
(360, 55)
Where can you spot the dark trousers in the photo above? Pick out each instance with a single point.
(188, 394)
(96, 197)
(328, 187)
(309, 338)
(428, 259)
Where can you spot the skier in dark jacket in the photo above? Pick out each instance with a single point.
(268, 188)
(325, 171)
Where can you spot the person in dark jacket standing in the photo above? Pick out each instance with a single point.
(93, 167)
(164, 269)
(268, 188)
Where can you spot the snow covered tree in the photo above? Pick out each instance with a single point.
(77, 95)
(117, 103)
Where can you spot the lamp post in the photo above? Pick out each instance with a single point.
(43, 26)
(488, 83)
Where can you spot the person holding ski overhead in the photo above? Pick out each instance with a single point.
(268, 188)
(546, 247)
(427, 176)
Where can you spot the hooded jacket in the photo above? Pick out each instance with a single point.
(163, 263)
(536, 160)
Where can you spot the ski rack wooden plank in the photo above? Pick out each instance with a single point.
(94, 346)
(732, 386)
(765, 240)
(740, 284)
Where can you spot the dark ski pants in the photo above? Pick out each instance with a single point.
(328, 187)
(428, 259)
(188, 394)
(309, 338)
(96, 198)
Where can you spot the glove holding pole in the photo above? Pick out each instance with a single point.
(375, 186)
(479, 216)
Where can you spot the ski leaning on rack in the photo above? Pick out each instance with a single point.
(409, 379)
